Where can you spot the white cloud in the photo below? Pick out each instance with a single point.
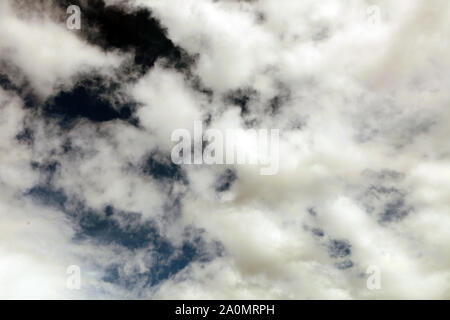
(47, 52)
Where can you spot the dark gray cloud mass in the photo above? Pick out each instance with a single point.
(358, 90)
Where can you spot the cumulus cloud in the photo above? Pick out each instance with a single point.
(356, 88)
(45, 52)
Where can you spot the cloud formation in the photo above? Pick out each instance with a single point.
(358, 90)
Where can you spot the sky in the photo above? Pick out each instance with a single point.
(357, 89)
